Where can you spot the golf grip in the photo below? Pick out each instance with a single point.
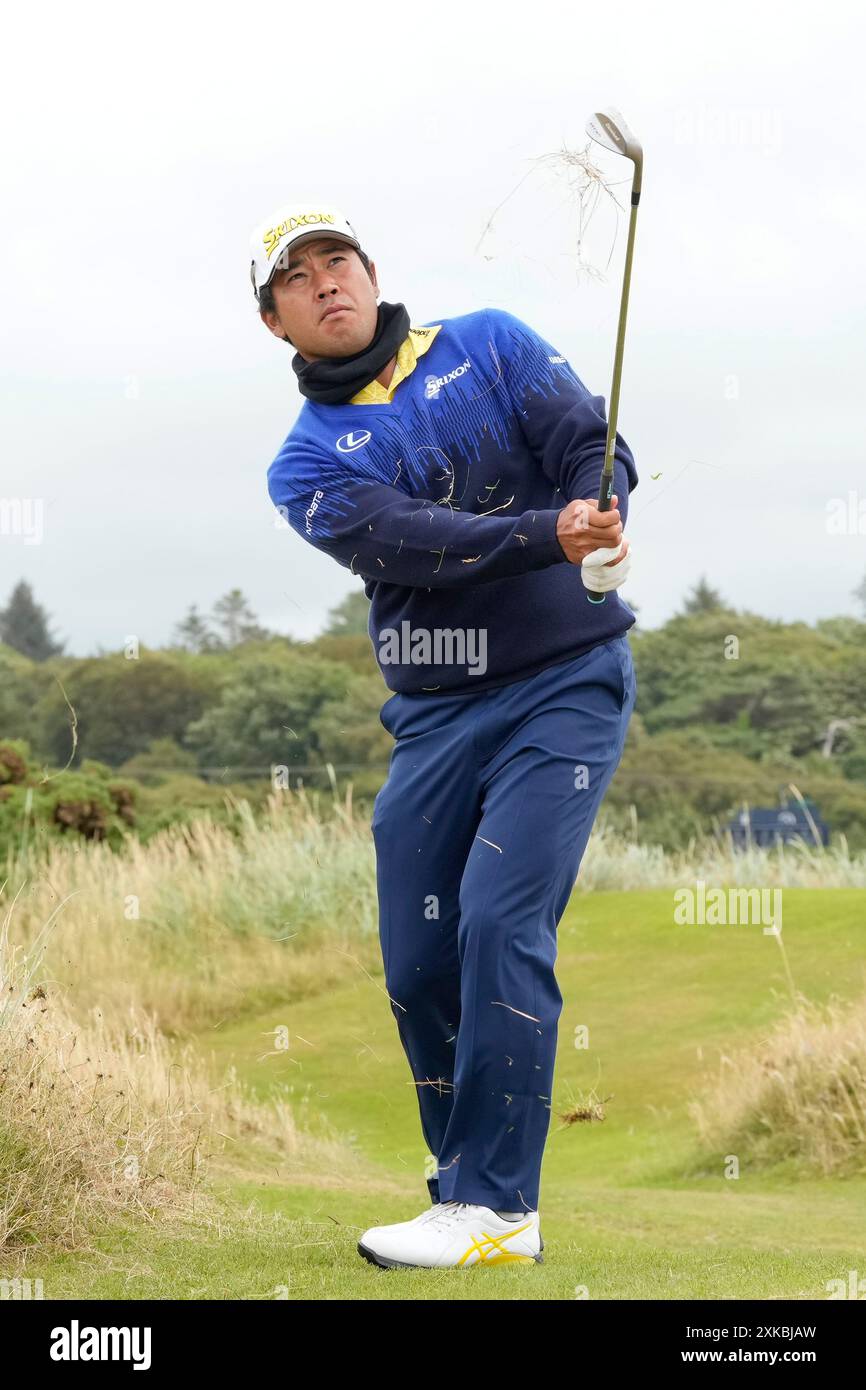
(605, 493)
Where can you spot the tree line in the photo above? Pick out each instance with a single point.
(732, 707)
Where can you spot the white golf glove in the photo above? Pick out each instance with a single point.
(599, 579)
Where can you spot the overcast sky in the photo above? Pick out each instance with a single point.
(143, 400)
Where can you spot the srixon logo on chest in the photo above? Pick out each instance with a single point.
(434, 384)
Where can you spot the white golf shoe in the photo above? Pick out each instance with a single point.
(454, 1235)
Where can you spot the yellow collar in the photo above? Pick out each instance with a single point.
(411, 348)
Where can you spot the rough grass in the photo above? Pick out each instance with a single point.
(798, 1094)
(624, 1213)
(101, 1123)
(209, 921)
(111, 1116)
(205, 922)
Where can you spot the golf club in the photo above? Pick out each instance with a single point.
(609, 129)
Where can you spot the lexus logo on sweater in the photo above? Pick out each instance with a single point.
(353, 440)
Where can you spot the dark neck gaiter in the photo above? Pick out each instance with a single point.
(334, 380)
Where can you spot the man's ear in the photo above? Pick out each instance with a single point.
(271, 321)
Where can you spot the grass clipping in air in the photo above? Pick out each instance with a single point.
(587, 187)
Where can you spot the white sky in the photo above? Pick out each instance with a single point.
(143, 400)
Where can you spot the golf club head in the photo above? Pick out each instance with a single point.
(609, 128)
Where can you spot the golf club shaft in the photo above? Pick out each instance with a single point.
(605, 490)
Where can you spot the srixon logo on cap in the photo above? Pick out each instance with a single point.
(274, 235)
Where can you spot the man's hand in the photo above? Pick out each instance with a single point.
(582, 528)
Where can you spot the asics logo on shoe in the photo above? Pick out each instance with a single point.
(491, 1249)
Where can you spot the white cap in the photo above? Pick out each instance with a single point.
(292, 226)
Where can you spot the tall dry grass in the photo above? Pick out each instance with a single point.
(102, 1122)
(798, 1095)
(206, 922)
(210, 921)
(615, 863)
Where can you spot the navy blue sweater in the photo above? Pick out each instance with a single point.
(446, 497)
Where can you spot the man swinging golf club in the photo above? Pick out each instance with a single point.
(455, 466)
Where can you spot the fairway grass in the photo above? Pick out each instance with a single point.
(630, 1207)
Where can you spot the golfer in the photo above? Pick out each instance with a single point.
(455, 466)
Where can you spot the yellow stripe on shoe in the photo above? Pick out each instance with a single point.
(491, 1250)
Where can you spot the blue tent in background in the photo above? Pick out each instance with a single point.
(761, 825)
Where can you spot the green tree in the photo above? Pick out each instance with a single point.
(24, 625)
(193, 634)
(772, 694)
(703, 599)
(349, 732)
(20, 680)
(233, 614)
(120, 705)
(266, 715)
(162, 759)
(349, 617)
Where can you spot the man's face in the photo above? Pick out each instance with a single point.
(321, 274)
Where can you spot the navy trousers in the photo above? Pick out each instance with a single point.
(479, 832)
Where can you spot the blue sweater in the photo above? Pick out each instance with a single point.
(445, 499)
